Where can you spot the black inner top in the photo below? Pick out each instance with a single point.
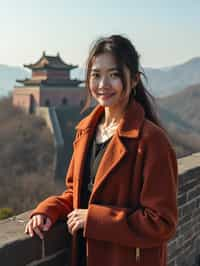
(93, 157)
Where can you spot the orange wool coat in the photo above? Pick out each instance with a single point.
(132, 210)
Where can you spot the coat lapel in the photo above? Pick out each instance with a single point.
(113, 155)
(80, 149)
(85, 130)
(129, 127)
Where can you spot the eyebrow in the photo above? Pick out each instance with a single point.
(109, 69)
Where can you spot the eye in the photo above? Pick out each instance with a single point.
(94, 75)
(114, 74)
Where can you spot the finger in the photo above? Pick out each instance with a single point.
(26, 228)
(30, 230)
(73, 219)
(77, 226)
(71, 225)
(38, 232)
(73, 213)
(47, 224)
(36, 226)
(69, 229)
(40, 221)
(34, 222)
(69, 221)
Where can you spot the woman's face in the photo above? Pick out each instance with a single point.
(105, 83)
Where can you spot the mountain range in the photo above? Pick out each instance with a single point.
(180, 113)
(161, 81)
(8, 76)
(168, 81)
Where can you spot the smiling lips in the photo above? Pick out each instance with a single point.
(105, 95)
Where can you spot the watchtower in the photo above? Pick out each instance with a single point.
(50, 85)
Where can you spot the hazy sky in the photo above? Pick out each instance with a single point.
(164, 32)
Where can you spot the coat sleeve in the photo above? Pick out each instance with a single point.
(57, 207)
(154, 222)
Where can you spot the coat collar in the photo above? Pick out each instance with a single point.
(130, 124)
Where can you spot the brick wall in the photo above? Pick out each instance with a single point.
(47, 96)
(184, 249)
(55, 96)
(22, 97)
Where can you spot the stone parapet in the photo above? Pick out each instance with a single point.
(18, 249)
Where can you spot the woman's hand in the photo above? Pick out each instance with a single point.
(37, 224)
(76, 220)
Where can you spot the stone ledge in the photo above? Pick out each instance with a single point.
(17, 248)
(189, 162)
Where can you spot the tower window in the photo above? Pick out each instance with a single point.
(47, 102)
(64, 101)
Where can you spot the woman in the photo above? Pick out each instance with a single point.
(120, 202)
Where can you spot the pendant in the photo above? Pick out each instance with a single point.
(90, 187)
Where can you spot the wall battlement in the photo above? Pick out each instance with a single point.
(18, 249)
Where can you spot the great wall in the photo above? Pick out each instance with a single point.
(18, 249)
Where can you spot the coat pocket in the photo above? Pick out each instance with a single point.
(148, 256)
(137, 254)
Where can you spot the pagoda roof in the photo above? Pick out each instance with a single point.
(50, 62)
(51, 82)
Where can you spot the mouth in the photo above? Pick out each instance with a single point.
(105, 95)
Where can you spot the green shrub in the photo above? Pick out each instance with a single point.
(5, 213)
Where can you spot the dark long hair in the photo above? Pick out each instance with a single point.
(125, 54)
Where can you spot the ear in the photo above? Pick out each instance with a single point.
(135, 80)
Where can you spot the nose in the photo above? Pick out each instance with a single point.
(103, 82)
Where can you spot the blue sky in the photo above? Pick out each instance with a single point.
(164, 32)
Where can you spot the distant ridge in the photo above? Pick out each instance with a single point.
(170, 80)
(181, 114)
(167, 80)
(8, 76)
(185, 104)
(162, 82)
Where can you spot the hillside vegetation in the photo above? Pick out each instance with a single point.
(27, 151)
(185, 105)
(26, 159)
(181, 115)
